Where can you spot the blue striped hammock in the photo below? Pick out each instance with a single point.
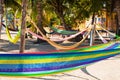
(40, 64)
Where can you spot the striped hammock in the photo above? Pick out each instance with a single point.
(40, 64)
(57, 40)
(63, 32)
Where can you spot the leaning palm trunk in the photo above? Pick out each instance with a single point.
(1, 15)
(39, 18)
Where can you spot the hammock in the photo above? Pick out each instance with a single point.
(11, 29)
(66, 47)
(63, 32)
(58, 45)
(60, 39)
(16, 37)
(31, 65)
(106, 46)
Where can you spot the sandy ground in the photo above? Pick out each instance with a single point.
(103, 70)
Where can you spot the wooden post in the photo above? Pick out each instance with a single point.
(23, 26)
(92, 35)
(93, 30)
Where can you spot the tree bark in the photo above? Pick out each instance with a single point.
(23, 24)
(39, 18)
(61, 16)
(1, 15)
(59, 12)
(117, 10)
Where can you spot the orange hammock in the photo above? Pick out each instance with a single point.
(58, 45)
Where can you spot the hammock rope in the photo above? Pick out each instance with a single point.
(107, 31)
(103, 40)
(11, 29)
(58, 45)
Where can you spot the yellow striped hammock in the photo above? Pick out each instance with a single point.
(15, 38)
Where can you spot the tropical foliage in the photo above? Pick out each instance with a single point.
(64, 12)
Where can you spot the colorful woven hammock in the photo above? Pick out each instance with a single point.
(29, 65)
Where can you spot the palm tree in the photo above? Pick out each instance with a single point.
(22, 39)
(37, 9)
(39, 17)
(116, 5)
(1, 14)
(59, 8)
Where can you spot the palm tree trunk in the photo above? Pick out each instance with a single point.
(117, 9)
(22, 38)
(39, 18)
(59, 12)
(1, 15)
(61, 16)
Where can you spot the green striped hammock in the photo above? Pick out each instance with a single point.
(63, 32)
(44, 63)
